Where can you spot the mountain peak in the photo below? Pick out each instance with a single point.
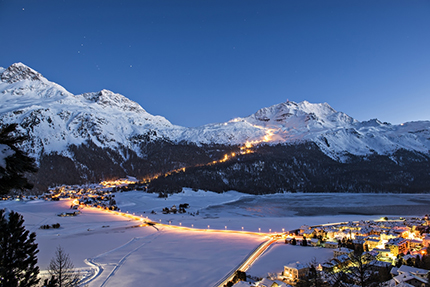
(282, 111)
(108, 98)
(18, 72)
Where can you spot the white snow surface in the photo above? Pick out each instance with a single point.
(54, 118)
(281, 254)
(128, 255)
(5, 151)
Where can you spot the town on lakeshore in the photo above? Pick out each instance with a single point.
(390, 251)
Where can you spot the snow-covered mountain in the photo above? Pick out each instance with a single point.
(336, 133)
(55, 120)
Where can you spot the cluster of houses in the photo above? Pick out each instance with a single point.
(18, 197)
(385, 245)
(89, 195)
(384, 238)
(404, 276)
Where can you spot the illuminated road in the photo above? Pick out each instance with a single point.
(247, 262)
(243, 266)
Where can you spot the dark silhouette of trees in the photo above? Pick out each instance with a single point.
(18, 251)
(62, 268)
(359, 272)
(303, 168)
(16, 163)
(51, 282)
(315, 276)
(304, 242)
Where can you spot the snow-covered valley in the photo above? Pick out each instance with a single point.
(127, 254)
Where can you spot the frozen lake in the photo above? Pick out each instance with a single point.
(316, 204)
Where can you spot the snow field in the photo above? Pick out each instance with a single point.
(122, 254)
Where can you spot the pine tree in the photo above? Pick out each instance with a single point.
(62, 268)
(18, 251)
(305, 241)
(14, 166)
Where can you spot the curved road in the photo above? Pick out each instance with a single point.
(243, 266)
(247, 262)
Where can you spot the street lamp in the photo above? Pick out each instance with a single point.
(270, 230)
(226, 227)
(208, 226)
(242, 228)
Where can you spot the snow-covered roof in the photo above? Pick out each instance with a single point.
(396, 241)
(269, 283)
(242, 284)
(343, 250)
(296, 265)
(413, 270)
(405, 277)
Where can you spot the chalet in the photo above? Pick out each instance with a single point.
(409, 279)
(304, 228)
(269, 283)
(329, 266)
(314, 241)
(426, 240)
(371, 242)
(341, 251)
(343, 261)
(295, 271)
(383, 254)
(415, 243)
(379, 266)
(331, 244)
(387, 236)
(365, 231)
(422, 273)
(336, 263)
(63, 214)
(398, 246)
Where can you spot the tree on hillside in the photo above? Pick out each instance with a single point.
(315, 275)
(14, 163)
(62, 268)
(18, 251)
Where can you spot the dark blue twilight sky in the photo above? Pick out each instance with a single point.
(198, 62)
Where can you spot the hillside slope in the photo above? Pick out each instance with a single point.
(100, 135)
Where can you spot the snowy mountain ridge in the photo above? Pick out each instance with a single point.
(55, 118)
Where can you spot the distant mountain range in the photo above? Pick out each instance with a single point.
(101, 135)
